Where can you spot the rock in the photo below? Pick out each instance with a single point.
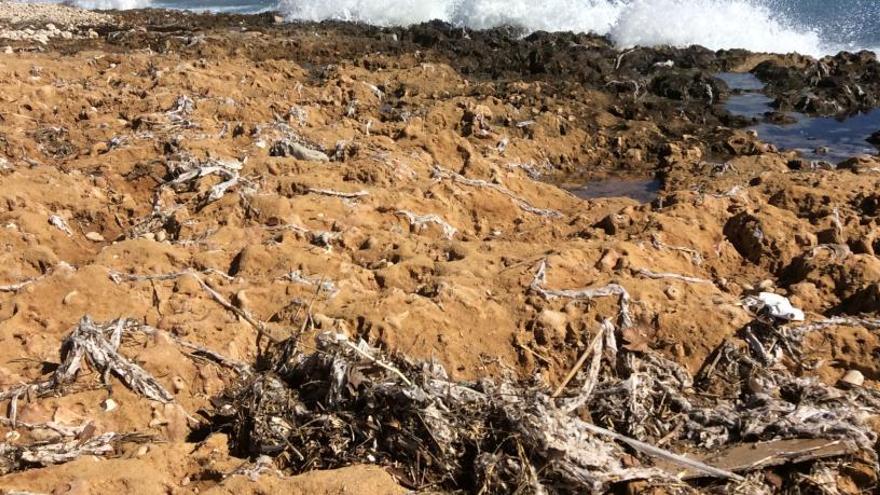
(95, 237)
(296, 150)
(70, 298)
(771, 237)
(178, 384)
(853, 378)
(673, 293)
(550, 326)
(8, 50)
(109, 405)
(241, 300)
(161, 236)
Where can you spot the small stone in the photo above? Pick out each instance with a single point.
(241, 299)
(853, 378)
(178, 384)
(766, 284)
(8, 50)
(92, 34)
(142, 451)
(70, 297)
(95, 237)
(161, 236)
(551, 326)
(673, 293)
(109, 405)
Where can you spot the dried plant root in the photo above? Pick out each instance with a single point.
(419, 221)
(441, 173)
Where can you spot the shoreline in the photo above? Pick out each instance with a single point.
(255, 198)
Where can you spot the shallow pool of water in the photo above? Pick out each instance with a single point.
(815, 138)
(641, 190)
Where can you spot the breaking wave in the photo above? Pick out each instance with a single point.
(716, 24)
(113, 4)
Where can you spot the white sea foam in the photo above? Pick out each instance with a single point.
(113, 4)
(715, 24)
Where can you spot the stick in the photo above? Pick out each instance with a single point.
(664, 454)
(379, 363)
(594, 348)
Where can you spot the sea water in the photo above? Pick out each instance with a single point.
(811, 27)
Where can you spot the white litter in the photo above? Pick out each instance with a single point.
(780, 307)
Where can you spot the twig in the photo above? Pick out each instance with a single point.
(595, 349)
(379, 363)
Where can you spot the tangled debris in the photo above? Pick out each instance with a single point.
(348, 403)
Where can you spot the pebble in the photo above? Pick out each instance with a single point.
(69, 298)
(853, 378)
(161, 236)
(766, 284)
(673, 293)
(95, 237)
(8, 50)
(179, 384)
(241, 299)
(109, 405)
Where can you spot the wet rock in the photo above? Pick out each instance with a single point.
(688, 85)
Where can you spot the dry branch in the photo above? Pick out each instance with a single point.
(19, 457)
(99, 345)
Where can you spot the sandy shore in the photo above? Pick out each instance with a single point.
(226, 182)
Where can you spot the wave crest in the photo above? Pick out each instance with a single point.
(715, 24)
